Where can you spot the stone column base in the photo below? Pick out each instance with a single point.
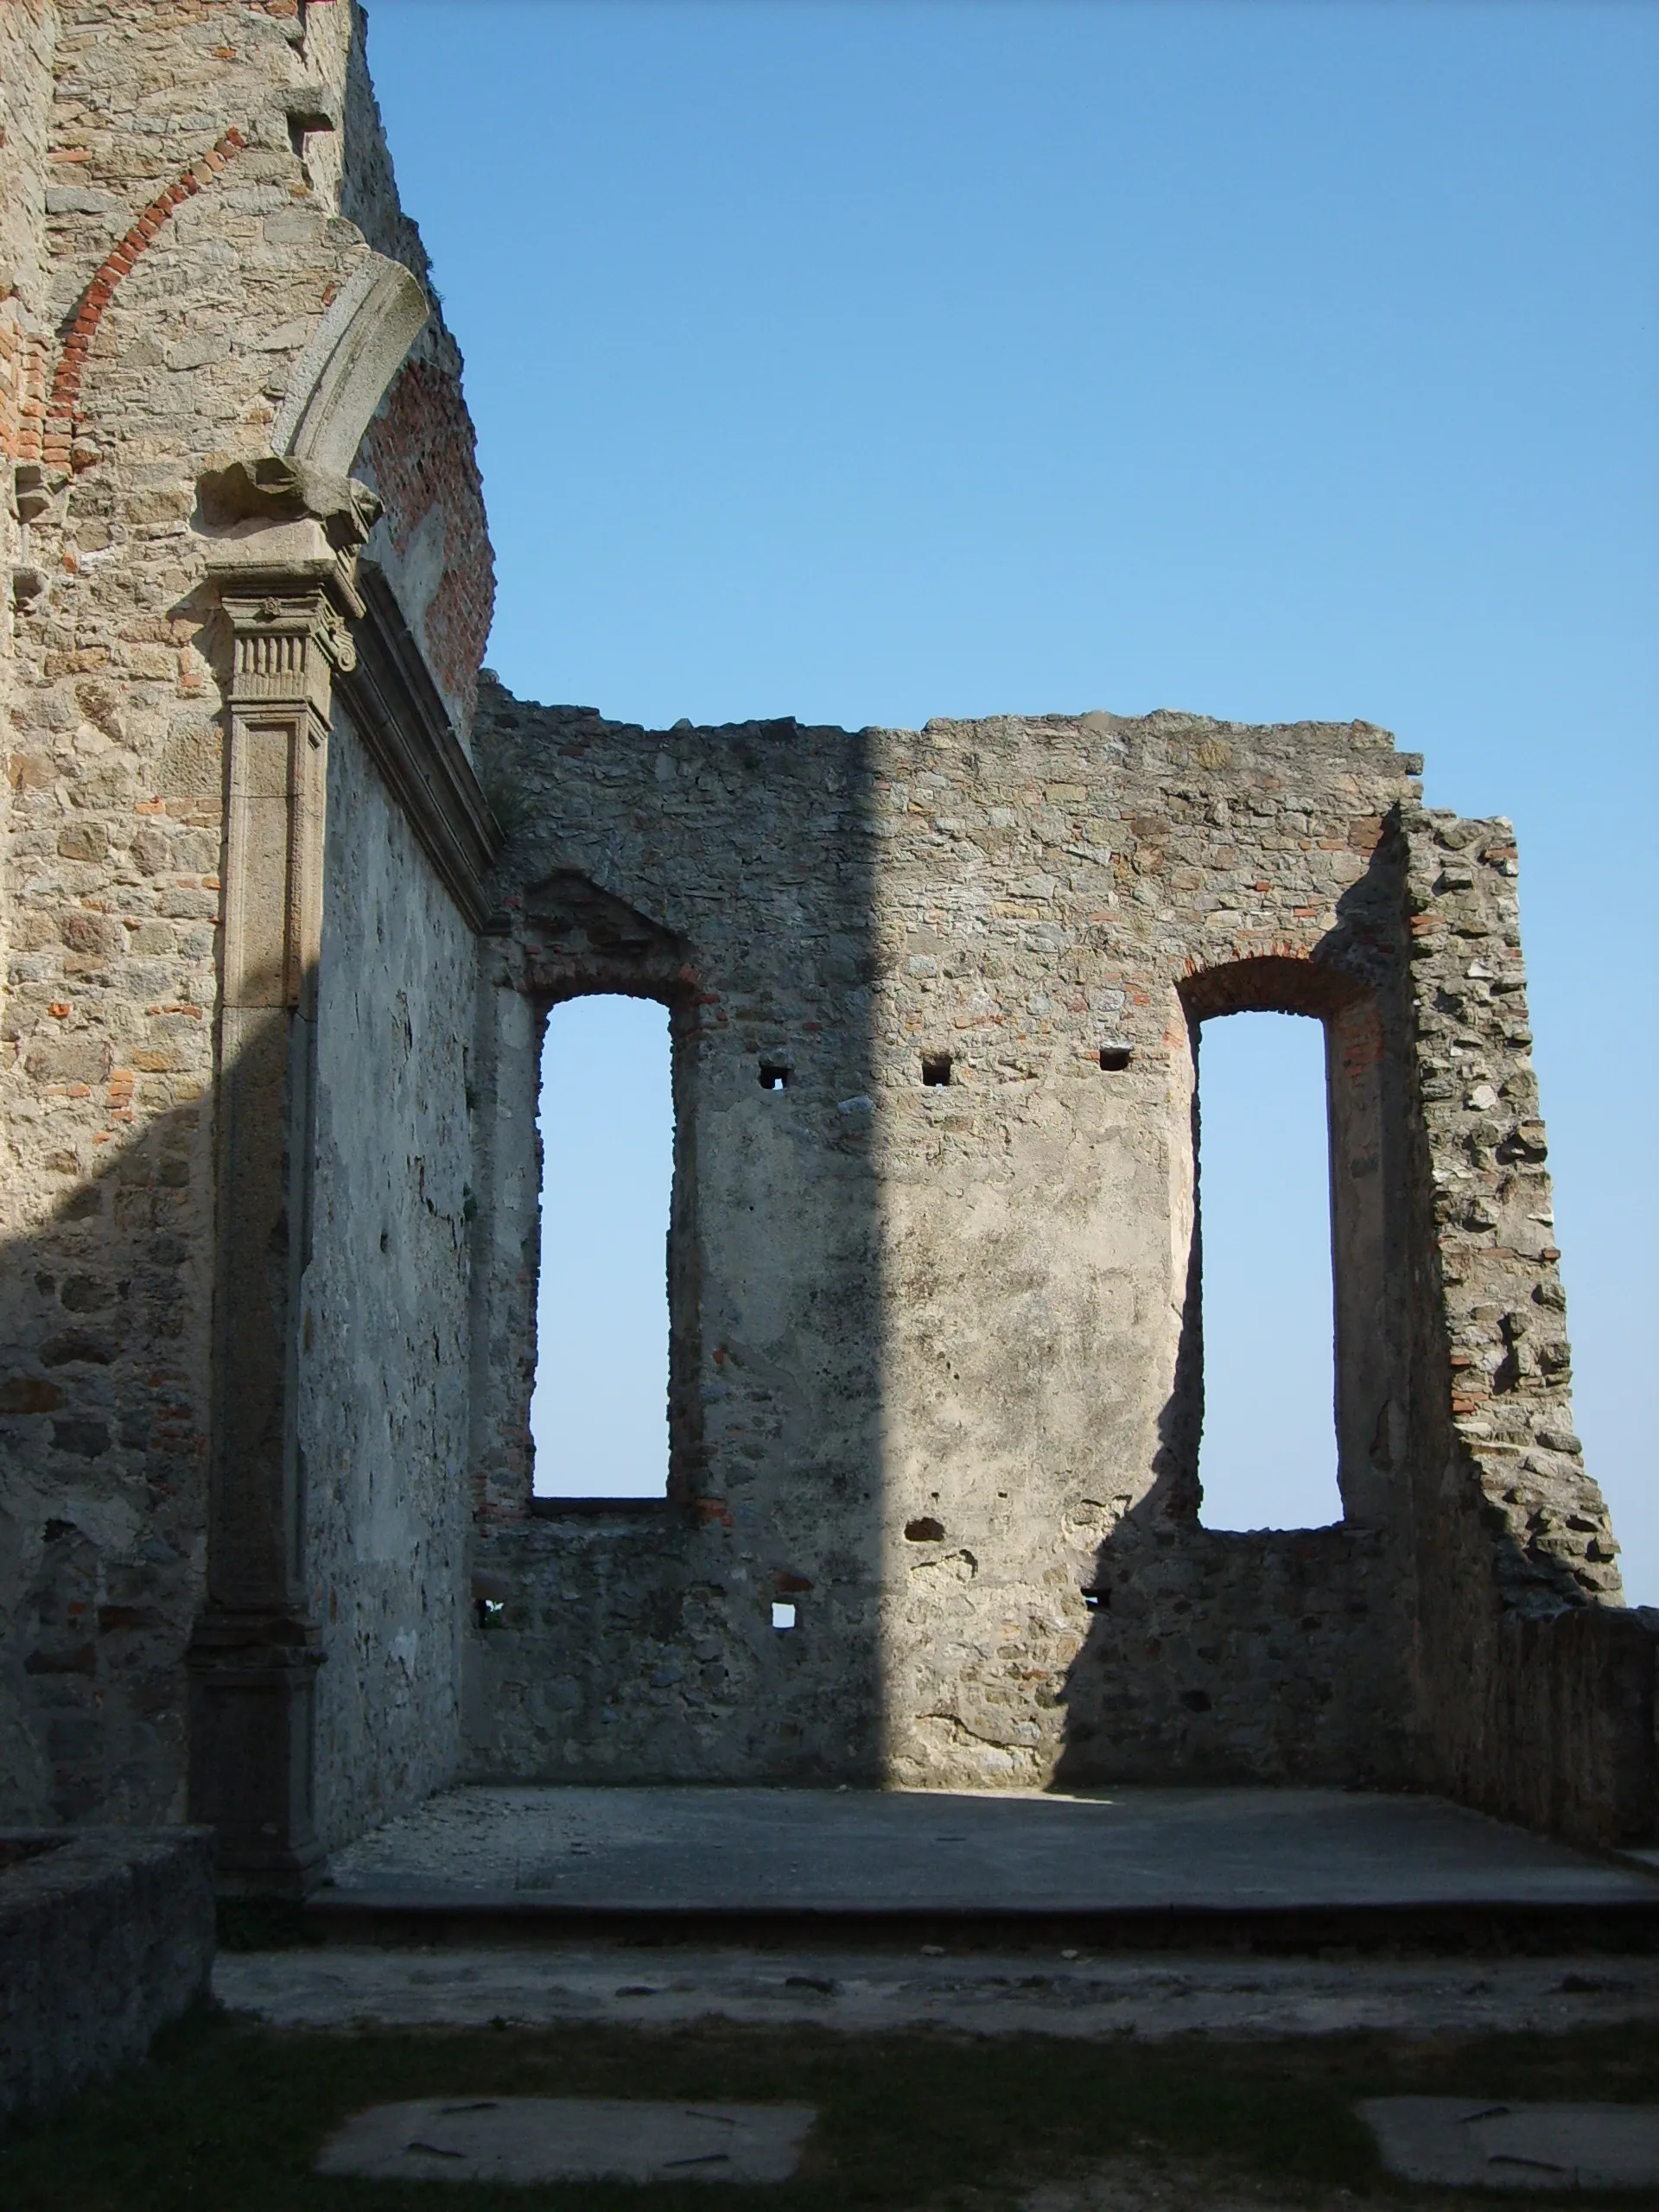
(253, 1704)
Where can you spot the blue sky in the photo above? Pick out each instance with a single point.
(868, 362)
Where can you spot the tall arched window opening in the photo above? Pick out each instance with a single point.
(1268, 1453)
(599, 1409)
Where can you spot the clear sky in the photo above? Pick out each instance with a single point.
(599, 1411)
(866, 362)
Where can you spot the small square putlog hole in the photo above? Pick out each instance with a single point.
(936, 1068)
(775, 1075)
(1116, 1058)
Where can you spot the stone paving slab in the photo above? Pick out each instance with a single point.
(1462, 2142)
(734, 1850)
(569, 2139)
(1015, 1992)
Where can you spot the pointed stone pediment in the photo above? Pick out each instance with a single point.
(581, 938)
(569, 915)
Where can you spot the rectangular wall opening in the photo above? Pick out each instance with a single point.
(599, 1409)
(1268, 1455)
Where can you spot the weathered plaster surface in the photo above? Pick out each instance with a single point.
(383, 1327)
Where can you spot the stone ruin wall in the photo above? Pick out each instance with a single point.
(186, 189)
(937, 1364)
(1536, 1687)
(937, 1367)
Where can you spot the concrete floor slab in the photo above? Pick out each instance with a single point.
(1462, 2142)
(736, 1850)
(569, 2139)
(1033, 1992)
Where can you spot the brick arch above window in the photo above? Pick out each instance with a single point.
(1367, 1220)
(1275, 982)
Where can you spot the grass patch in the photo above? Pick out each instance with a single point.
(262, 1925)
(230, 2117)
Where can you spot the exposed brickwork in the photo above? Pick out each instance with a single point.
(23, 357)
(419, 456)
(57, 436)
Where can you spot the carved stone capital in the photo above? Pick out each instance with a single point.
(285, 646)
(275, 488)
(279, 527)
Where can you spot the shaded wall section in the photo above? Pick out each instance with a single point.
(103, 1516)
(726, 872)
(177, 218)
(1279, 1654)
(384, 1309)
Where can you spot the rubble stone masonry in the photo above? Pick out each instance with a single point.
(938, 1000)
(188, 188)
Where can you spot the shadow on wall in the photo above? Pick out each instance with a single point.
(104, 1315)
(647, 1645)
(1281, 1655)
(1418, 1642)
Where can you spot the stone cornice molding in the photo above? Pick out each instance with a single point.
(395, 706)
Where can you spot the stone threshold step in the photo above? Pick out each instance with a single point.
(393, 1916)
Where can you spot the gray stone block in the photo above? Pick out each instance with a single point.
(105, 1935)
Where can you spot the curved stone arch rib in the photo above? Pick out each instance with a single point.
(355, 351)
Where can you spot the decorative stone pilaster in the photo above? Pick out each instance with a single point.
(284, 567)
